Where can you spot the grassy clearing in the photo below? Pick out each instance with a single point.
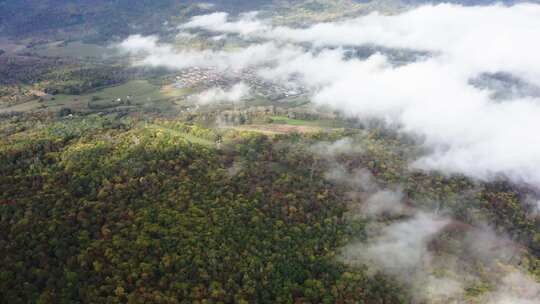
(321, 123)
(271, 129)
(172, 92)
(23, 107)
(141, 92)
(74, 49)
(289, 121)
(135, 88)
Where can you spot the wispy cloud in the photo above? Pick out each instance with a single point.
(467, 131)
(246, 24)
(234, 94)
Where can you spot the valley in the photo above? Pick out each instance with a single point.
(305, 151)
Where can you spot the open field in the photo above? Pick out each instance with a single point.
(74, 49)
(279, 128)
(22, 107)
(135, 92)
(173, 92)
(319, 123)
(136, 88)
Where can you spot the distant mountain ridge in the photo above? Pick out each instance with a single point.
(102, 20)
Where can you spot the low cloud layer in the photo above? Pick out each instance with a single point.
(467, 130)
(149, 51)
(234, 94)
(437, 257)
(405, 250)
(401, 247)
(247, 23)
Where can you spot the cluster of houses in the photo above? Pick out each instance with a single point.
(211, 77)
(269, 89)
(195, 76)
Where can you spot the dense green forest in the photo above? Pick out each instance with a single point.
(98, 210)
(108, 209)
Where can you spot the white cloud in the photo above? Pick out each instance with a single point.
(247, 23)
(234, 94)
(205, 5)
(515, 288)
(384, 202)
(468, 131)
(426, 254)
(186, 36)
(342, 146)
(151, 52)
(401, 247)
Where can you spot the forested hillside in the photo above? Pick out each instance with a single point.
(100, 209)
(105, 211)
